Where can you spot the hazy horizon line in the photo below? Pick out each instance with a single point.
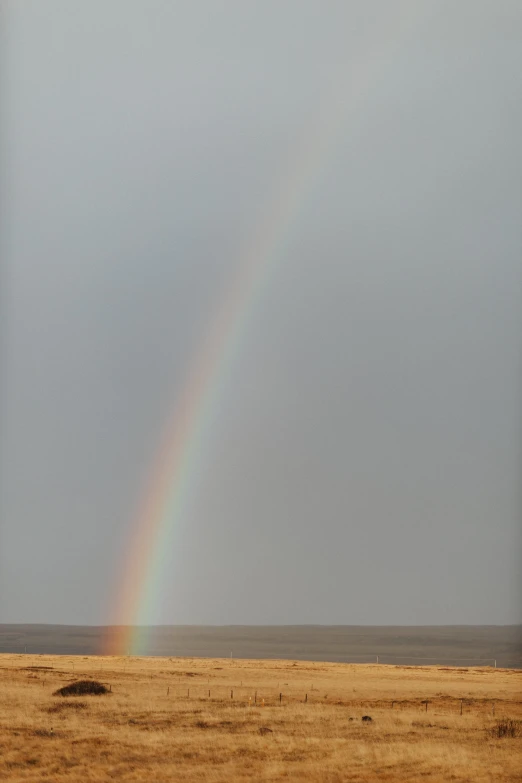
(274, 625)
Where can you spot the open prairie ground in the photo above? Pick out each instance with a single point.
(194, 719)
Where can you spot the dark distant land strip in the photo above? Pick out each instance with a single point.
(406, 645)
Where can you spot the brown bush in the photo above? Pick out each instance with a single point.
(82, 688)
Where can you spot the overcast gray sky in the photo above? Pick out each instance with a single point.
(364, 456)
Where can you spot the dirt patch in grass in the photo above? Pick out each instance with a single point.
(45, 733)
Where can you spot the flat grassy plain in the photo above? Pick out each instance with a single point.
(194, 719)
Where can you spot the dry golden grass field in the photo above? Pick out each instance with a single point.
(193, 719)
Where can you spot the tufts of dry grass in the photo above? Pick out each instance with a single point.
(506, 727)
(215, 721)
(65, 706)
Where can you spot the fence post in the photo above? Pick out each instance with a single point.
(306, 697)
(168, 690)
(280, 698)
(255, 697)
(461, 706)
(231, 694)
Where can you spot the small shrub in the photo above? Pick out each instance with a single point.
(366, 719)
(82, 688)
(507, 727)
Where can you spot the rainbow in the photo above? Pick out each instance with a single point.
(175, 471)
